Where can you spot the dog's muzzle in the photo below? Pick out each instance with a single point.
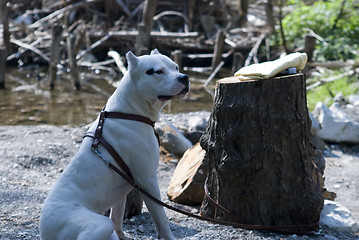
(183, 78)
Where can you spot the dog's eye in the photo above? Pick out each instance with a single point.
(177, 68)
(150, 71)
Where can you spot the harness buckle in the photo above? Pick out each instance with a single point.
(105, 160)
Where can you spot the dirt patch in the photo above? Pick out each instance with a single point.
(32, 158)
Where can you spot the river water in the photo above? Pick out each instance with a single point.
(27, 98)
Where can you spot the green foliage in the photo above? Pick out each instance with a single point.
(321, 17)
(326, 92)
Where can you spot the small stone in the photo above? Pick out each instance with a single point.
(338, 217)
(173, 140)
(141, 228)
(336, 123)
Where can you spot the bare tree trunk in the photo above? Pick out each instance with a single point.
(243, 11)
(2, 66)
(260, 155)
(270, 16)
(4, 10)
(143, 39)
(55, 53)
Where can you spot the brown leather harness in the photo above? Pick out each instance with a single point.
(127, 176)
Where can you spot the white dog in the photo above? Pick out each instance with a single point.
(87, 187)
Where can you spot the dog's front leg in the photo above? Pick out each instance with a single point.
(117, 212)
(157, 212)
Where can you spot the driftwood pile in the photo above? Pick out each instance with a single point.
(63, 34)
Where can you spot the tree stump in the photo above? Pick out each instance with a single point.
(260, 155)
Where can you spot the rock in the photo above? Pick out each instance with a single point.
(173, 140)
(338, 123)
(315, 124)
(337, 217)
(141, 228)
(186, 185)
(317, 141)
(196, 126)
(191, 125)
(354, 100)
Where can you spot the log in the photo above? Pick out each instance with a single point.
(112, 11)
(243, 11)
(2, 66)
(143, 39)
(238, 61)
(309, 46)
(218, 48)
(260, 155)
(28, 47)
(186, 185)
(154, 34)
(270, 16)
(55, 53)
(4, 10)
(72, 61)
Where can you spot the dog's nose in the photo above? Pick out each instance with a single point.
(183, 78)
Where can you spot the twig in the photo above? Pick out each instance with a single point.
(323, 81)
(311, 32)
(93, 46)
(116, 56)
(21, 51)
(165, 13)
(334, 64)
(28, 46)
(59, 13)
(214, 73)
(281, 27)
(216, 70)
(123, 7)
(339, 15)
(96, 64)
(255, 48)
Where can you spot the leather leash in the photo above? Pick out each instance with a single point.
(127, 176)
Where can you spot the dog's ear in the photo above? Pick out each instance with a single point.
(155, 51)
(131, 59)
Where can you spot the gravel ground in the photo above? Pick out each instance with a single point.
(32, 157)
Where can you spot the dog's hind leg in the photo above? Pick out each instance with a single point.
(117, 212)
(93, 226)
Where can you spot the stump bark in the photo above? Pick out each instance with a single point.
(260, 155)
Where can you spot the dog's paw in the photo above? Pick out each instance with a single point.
(123, 236)
(170, 237)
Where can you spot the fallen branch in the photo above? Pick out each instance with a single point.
(216, 70)
(116, 56)
(32, 48)
(156, 34)
(312, 33)
(58, 14)
(334, 64)
(93, 46)
(96, 64)
(214, 73)
(166, 13)
(21, 51)
(254, 50)
(323, 81)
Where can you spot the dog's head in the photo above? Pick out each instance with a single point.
(157, 77)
